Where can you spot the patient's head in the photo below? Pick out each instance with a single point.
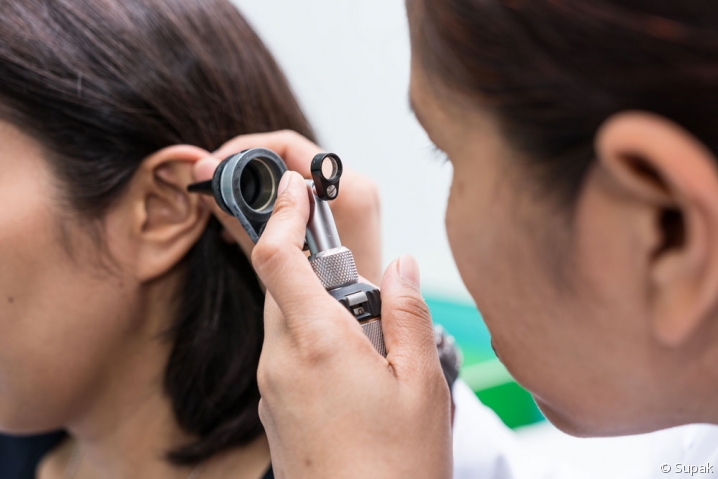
(104, 107)
(583, 212)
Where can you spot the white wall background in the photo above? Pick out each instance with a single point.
(348, 62)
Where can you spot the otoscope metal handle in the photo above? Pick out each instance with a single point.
(375, 334)
(335, 268)
(333, 263)
(337, 271)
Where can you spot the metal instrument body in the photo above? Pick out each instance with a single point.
(245, 186)
(334, 265)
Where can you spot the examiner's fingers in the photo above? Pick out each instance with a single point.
(279, 259)
(204, 169)
(296, 151)
(406, 320)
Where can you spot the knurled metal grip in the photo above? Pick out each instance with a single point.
(335, 267)
(373, 331)
(338, 273)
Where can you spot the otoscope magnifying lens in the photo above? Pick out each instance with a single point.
(257, 184)
(329, 168)
(248, 182)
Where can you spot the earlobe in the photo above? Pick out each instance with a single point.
(169, 220)
(656, 163)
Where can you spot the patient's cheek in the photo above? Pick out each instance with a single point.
(26, 248)
(59, 316)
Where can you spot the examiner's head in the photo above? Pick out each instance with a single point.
(584, 207)
(112, 275)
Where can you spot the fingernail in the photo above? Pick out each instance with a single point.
(284, 182)
(409, 270)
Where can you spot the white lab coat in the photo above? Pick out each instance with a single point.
(484, 448)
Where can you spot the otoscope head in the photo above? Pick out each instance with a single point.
(245, 186)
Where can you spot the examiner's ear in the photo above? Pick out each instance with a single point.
(673, 179)
(165, 219)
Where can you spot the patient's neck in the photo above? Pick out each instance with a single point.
(126, 426)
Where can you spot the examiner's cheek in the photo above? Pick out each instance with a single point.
(451, 224)
(462, 242)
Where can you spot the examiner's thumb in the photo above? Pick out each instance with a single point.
(406, 320)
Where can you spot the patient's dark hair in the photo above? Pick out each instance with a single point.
(102, 84)
(553, 70)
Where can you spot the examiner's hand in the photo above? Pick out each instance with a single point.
(356, 209)
(333, 407)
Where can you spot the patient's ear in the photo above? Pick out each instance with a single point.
(673, 178)
(162, 218)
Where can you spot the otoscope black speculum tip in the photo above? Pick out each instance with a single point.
(204, 187)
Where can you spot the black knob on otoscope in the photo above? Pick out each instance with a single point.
(326, 171)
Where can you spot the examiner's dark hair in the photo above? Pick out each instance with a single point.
(102, 84)
(552, 71)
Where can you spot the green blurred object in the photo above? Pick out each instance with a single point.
(512, 403)
(481, 370)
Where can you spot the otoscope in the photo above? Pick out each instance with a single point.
(245, 186)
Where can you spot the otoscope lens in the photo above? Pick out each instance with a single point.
(257, 184)
(329, 168)
(249, 182)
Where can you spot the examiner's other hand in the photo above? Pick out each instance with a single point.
(356, 209)
(332, 406)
